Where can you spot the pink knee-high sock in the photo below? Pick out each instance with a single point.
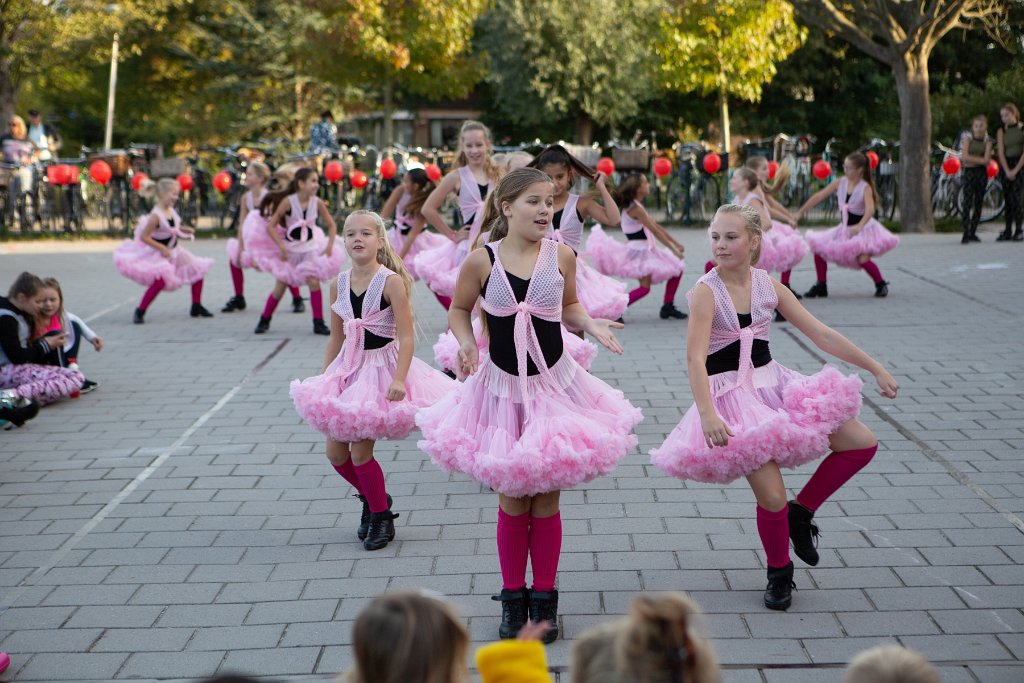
(197, 292)
(150, 294)
(785, 277)
(316, 303)
(773, 528)
(670, 290)
(821, 268)
(446, 301)
(638, 293)
(295, 292)
(833, 472)
(270, 307)
(371, 484)
(708, 266)
(237, 279)
(871, 269)
(348, 471)
(513, 548)
(545, 549)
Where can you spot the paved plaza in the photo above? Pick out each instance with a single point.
(181, 520)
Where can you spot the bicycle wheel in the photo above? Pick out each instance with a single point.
(887, 196)
(675, 197)
(949, 206)
(710, 198)
(993, 203)
(229, 212)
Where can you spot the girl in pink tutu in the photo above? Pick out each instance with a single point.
(751, 416)
(371, 385)
(528, 422)
(253, 237)
(859, 238)
(154, 259)
(639, 257)
(471, 180)
(408, 235)
(304, 255)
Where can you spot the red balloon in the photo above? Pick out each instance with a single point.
(62, 174)
(101, 172)
(185, 182)
(433, 172)
(388, 169)
(222, 181)
(821, 169)
(662, 167)
(359, 180)
(950, 166)
(773, 169)
(872, 159)
(712, 162)
(606, 165)
(334, 171)
(138, 179)
(992, 170)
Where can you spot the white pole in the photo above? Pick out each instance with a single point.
(108, 136)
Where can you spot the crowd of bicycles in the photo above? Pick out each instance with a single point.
(689, 180)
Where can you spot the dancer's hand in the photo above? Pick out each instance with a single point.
(533, 630)
(716, 432)
(855, 230)
(601, 330)
(460, 235)
(165, 252)
(327, 251)
(601, 179)
(677, 250)
(887, 385)
(469, 358)
(396, 392)
(97, 343)
(282, 253)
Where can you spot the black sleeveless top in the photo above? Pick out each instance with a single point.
(501, 332)
(851, 217)
(728, 358)
(370, 340)
(167, 241)
(467, 222)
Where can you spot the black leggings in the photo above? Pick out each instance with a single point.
(1013, 194)
(975, 180)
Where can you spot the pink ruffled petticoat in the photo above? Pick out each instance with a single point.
(633, 259)
(600, 295)
(423, 242)
(787, 418)
(446, 350)
(302, 265)
(439, 267)
(782, 248)
(257, 240)
(839, 246)
(570, 428)
(357, 408)
(143, 264)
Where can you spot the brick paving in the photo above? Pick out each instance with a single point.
(181, 520)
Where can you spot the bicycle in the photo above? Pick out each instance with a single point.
(795, 154)
(65, 206)
(945, 187)
(692, 197)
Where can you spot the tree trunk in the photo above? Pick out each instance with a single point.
(726, 133)
(389, 114)
(8, 91)
(584, 129)
(915, 143)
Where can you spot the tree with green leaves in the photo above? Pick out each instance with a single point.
(728, 48)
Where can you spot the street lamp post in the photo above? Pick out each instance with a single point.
(109, 134)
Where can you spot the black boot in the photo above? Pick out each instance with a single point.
(235, 303)
(974, 235)
(320, 327)
(198, 311)
(670, 311)
(515, 610)
(381, 530)
(263, 325)
(818, 291)
(804, 533)
(779, 593)
(544, 607)
(297, 305)
(139, 317)
(882, 289)
(1018, 236)
(364, 519)
(1005, 235)
(966, 239)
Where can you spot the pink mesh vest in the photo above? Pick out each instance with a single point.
(631, 226)
(570, 228)
(164, 229)
(470, 201)
(373, 320)
(253, 205)
(300, 225)
(855, 204)
(403, 222)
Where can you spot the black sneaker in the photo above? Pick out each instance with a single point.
(88, 385)
(779, 593)
(882, 289)
(381, 530)
(966, 239)
(235, 303)
(1004, 236)
(974, 237)
(263, 325)
(320, 327)
(139, 317)
(364, 519)
(198, 311)
(297, 305)
(818, 291)
(804, 533)
(670, 311)
(544, 607)
(16, 411)
(515, 610)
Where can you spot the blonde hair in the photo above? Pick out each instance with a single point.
(519, 158)
(508, 189)
(386, 255)
(890, 664)
(160, 188)
(20, 123)
(660, 641)
(751, 218)
(260, 170)
(492, 169)
(408, 637)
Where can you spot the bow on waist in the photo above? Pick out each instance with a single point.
(478, 220)
(745, 371)
(354, 348)
(525, 335)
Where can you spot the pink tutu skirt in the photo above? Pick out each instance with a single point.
(258, 242)
(837, 245)
(446, 350)
(143, 264)
(439, 266)
(569, 428)
(787, 419)
(423, 242)
(356, 408)
(632, 259)
(302, 265)
(600, 295)
(782, 248)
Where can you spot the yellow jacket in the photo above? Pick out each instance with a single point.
(513, 661)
